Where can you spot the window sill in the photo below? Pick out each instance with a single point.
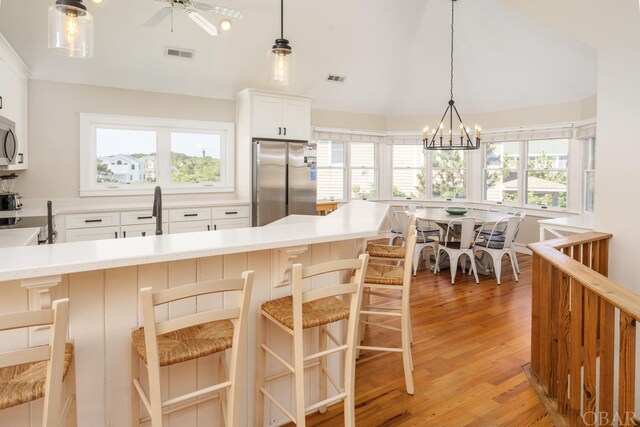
(94, 192)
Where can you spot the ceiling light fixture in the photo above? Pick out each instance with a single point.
(225, 24)
(437, 141)
(281, 58)
(70, 29)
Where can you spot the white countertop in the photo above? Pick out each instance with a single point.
(13, 237)
(586, 222)
(356, 220)
(296, 219)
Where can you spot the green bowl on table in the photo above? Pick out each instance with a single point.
(454, 210)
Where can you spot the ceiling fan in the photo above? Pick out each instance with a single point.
(191, 8)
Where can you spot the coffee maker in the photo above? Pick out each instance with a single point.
(9, 201)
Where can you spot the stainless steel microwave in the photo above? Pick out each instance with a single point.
(8, 143)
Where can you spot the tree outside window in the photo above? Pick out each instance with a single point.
(448, 174)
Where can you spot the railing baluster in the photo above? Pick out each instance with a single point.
(590, 351)
(554, 293)
(603, 267)
(545, 326)
(626, 386)
(575, 360)
(607, 333)
(563, 320)
(586, 254)
(535, 315)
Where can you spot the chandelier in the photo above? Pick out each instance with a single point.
(437, 140)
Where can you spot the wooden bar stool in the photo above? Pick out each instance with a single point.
(384, 280)
(38, 372)
(186, 338)
(304, 310)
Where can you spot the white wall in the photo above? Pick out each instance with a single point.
(618, 144)
(54, 129)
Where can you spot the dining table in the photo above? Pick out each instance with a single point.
(442, 218)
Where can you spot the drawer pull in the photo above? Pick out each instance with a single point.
(191, 214)
(92, 220)
(231, 213)
(145, 217)
(208, 228)
(124, 234)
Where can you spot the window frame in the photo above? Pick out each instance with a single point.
(431, 169)
(518, 172)
(589, 149)
(348, 169)
(524, 153)
(343, 167)
(375, 169)
(425, 162)
(163, 128)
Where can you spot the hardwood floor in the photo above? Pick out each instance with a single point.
(470, 343)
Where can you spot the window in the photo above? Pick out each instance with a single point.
(589, 165)
(502, 162)
(546, 173)
(448, 174)
(408, 171)
(347, 170)
(195, 157)
(130, 155)
(331, 170)
(363, 170)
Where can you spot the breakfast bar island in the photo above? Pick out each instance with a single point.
(102, 279)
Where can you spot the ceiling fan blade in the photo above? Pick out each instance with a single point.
(204, 23)
(158, 17)
(224, 11)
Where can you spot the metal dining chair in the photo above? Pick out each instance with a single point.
(497, 245)
(467, 237)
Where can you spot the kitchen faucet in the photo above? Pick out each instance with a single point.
(157, 209)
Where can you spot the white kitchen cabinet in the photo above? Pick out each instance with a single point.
(141, 217)
(278, 116)
(142, 230)
(91, 220)
(296, 119)
(95, 233)
(189, 227)
(227, 224)
(195, 214)
(14, 76)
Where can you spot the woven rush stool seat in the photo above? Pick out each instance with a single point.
(26, 382)
(385, 251)
(383, 274)
(315, 313)
(188, 343)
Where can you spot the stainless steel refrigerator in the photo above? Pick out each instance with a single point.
(284, 180)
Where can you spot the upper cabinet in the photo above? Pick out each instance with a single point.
(277, 116)
(14, 77)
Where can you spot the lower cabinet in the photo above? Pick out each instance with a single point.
(189, 226)
(142, 230)
(128, 224)
(227, 224)
(97, 233)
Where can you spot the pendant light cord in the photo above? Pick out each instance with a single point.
(281, 19)
(452, 9)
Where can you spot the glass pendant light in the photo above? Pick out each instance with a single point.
(281, 59)
(71, 29)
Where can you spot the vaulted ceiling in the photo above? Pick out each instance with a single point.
(395, 54)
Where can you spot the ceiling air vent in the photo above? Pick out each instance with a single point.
(334, 78)
(179, 53)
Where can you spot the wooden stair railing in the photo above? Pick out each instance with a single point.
(573, 324)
